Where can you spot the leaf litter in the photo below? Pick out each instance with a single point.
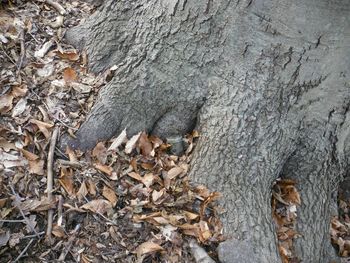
(127, 200)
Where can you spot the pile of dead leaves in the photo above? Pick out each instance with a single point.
(285, 199)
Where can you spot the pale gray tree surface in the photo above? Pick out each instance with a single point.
(266, 82)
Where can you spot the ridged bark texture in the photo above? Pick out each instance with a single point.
(265, 81)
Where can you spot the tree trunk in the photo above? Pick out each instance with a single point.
(265, 81)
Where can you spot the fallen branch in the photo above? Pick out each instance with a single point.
(70, 163)
(17, 204)
(57, 6)
(24, 250)
(50, 180)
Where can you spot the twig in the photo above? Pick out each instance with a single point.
(57, 6)
(70, 163)
(23, 51)
(12, 221)
(50, 180)
(3, 50)
(17, 203)
(24, 250)
(59, 210)
(31, 236)
(70, 243)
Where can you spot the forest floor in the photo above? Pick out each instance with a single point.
(127, 200)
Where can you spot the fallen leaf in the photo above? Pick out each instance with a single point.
(69, 75)
(100, 206)
(100, 152)
(19, 107)
(36, 167)
(173, 172)
(71, 55)
(118, 141)
(147, 247)
(83, 191)
(5, 103)
(131, 144)
(43, 127)
(110, 195)
(104, 168)
(145, 145)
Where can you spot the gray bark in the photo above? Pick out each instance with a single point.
(265, 81)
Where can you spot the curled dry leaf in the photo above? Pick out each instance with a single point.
(43, 127)
(100, 206)
(122, 138)
(131, 144)
(145, 145)
(173, 172)
(147, 247)
(71, 55)
(104, 168)
(110, 195)
(100, 152)
(82, 192)
(6, 103)
(69, 75)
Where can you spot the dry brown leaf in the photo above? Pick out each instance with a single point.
(291, 195)
(71, 55)
(131, 144)
(104, 168)
(110, 195)
(118, 141)
(58, 231)
(82, 192)
(100, 152)
(148, 179)
(173, 172)
(29, 156)
(66, 181)
(100, 206)
(147, 166)
(19, 91)
(6, 103)
(136, 176)
(158, 195)
(205, 233)
(69, 75)
(36, 167)
(71, 155)
(190, 215)
(147, 247)
(145, 145)
(92, 187)
(43, 127)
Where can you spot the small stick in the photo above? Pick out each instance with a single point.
(23, 52)
(17, 203)
(59, 210)
(24, 250)
(50, 180)
(70, 243)
(31, 236)
(12, 221)
(57, 6)
(70, 163)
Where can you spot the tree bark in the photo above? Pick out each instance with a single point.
(265, 81)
